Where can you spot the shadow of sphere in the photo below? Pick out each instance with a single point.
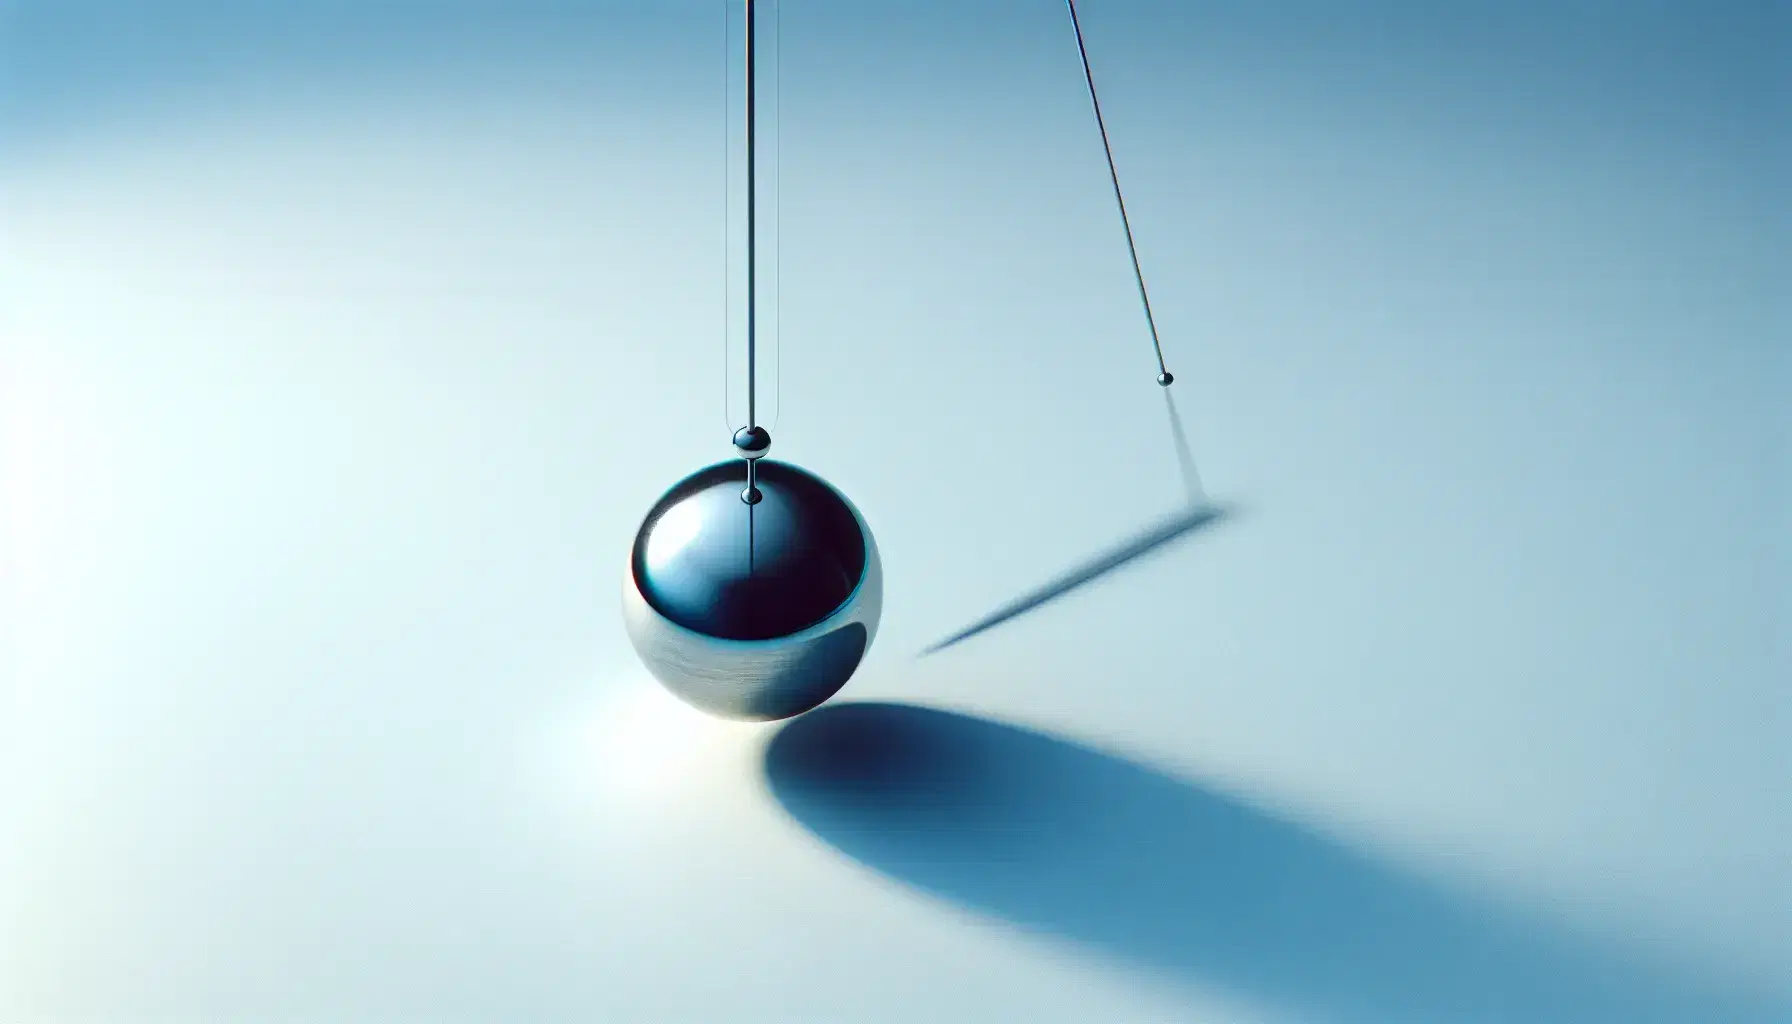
(878, 778)
(1167, 873)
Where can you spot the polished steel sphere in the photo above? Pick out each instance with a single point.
(753, 611)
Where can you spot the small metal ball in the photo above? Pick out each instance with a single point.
(752, 611)
(752, 442)
(1166, 378)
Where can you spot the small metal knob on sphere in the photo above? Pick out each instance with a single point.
(753, 611)
(752, 443)
(1166, 378)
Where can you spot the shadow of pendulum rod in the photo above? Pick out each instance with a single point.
(1171, 529)
(1199, 513)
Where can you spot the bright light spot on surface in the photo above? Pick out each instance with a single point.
(41, 565)
(645, 744)
(34, 463)
(52, 545)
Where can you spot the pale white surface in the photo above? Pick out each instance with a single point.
(320, 446)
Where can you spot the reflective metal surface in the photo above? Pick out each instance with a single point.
(755, 611)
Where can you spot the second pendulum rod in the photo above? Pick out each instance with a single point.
(1164, 376)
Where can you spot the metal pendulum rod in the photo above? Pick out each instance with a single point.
(1164, 376)
(752, 441)
(752, 262)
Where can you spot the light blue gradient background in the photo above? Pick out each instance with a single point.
(345, 344)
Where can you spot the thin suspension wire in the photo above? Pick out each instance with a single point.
(752, 298)
(728, 207)
(727, 221)
(777, 213)
(1164, 377)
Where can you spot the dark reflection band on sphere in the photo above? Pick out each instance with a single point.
(713, 564)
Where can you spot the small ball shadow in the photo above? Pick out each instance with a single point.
(1056, 836)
